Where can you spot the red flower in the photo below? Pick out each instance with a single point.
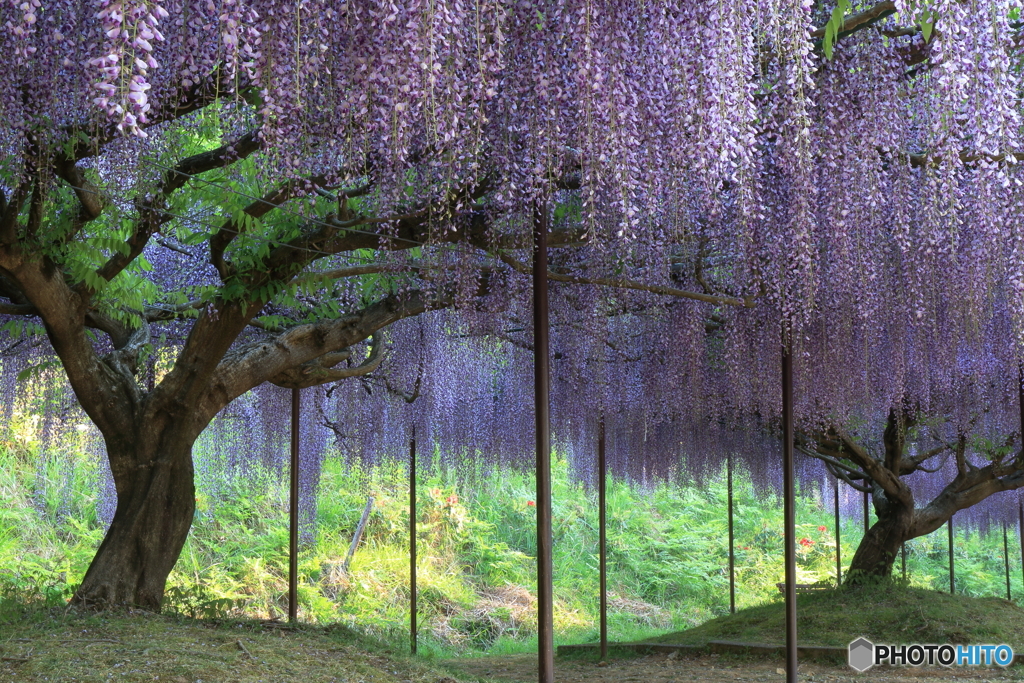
(452, 499)
(806, 542)
(822, 528)
(530, 503)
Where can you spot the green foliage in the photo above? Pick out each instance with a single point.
(668, 550)
(214, 200)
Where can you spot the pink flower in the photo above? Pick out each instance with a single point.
(452, 499)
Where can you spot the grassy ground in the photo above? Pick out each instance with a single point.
(38, 644)
(667, 550)
(62, 645)
(885, 613)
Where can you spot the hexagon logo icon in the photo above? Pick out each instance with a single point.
(862, 654)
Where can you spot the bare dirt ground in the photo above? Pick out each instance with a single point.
(660, 668)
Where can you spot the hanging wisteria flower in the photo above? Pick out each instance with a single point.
(22, 30)
(130, 29)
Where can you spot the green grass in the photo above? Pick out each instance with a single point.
(66, 645)
(667, 550)
(884, 613)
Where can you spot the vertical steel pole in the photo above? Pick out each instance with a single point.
(545, 615)
(839, 549)
(293, 515)
(732, 538)
(1020, 505)
(1006, 561)
(602, 532)
(952, 584)
(412, 540)
(867, 504)
(788, 507)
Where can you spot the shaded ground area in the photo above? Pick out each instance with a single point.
(712, 669)
(64, 646)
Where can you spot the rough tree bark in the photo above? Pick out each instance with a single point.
(877, 551)
(155, 507)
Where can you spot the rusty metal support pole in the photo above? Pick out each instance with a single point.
(542, 387)
(952, 575)
(293, 515)
(732, 538)
(1020, 505)
(412, 541)
(789, 507)
(602, 533)
(1006, 561)
(839, 548)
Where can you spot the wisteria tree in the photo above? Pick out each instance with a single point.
(961, 472)
(201, 197)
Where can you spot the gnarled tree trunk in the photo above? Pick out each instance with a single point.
(878, 549)
(155, 506)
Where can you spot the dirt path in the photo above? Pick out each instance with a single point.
(660, 668)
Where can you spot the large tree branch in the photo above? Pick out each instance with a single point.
(220, 240)
(159, 312)
(839, 442)
(857, 22)
(925, 159)
(89, 195)
(253, 364)
(322, 370)
(833, 462)
(969, 489)
(152, 214)
(17, 309)
(403, 230)
(9, 218)
(911, 465)
(840, 474)
(623, 283)
(893, 437)
(104, 394)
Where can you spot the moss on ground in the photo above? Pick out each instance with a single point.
(884, 613)
(66, 645)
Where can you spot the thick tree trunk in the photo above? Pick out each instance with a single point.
(879, 548)
(155, 505)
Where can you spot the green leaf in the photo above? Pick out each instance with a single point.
(834, 25)
(927, 25)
